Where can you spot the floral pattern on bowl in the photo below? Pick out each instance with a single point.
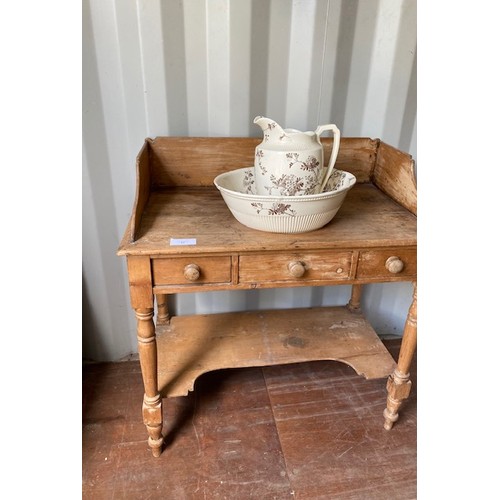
(335, 182)
(282, 214)
(275, 209)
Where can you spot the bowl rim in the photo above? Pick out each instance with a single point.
(297, 198)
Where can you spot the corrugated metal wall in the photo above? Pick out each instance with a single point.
(207, 68)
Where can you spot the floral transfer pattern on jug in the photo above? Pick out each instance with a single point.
(289, 162)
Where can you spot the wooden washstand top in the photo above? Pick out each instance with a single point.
(176, 198)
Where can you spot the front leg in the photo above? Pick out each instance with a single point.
(152, 404)
(142, 301)
(399, 383)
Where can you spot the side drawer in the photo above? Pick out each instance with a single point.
(293, 267)
(387, 263)
(191, 270)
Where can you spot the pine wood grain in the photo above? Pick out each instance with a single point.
(394, 174)
(143, 188)
(192, 345)
(367, 218)
(172, 271)
(196, 161)
(373, 262)
(140, 282)
(328, 266)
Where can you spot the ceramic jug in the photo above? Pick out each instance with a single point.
(289, 162)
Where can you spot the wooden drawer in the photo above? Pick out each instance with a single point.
(290, 267)
(191, 270)
(387, 263)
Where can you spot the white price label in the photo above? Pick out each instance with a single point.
(182, 241)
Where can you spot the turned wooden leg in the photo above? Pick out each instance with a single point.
(162, 315)
(152, 405)
(399, 383)
(354, 304)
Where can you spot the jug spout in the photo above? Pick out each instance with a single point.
(272, 131)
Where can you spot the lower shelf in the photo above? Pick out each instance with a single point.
(192, 345)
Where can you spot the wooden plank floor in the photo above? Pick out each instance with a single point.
(305, 431)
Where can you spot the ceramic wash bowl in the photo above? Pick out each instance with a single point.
(282, 214)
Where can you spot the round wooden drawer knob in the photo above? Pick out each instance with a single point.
(297, 269)
(192, 272)
(394, 265)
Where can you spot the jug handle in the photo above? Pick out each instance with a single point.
(335, 150)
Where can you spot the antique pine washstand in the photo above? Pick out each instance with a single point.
(181, 238)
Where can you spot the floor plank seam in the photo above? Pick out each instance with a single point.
(287, 471)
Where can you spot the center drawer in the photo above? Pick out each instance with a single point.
(320, 266)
